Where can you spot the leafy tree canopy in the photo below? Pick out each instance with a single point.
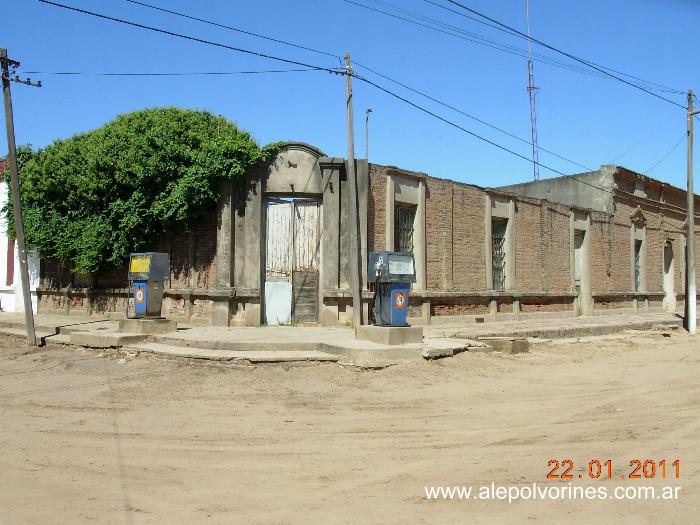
(90, 200)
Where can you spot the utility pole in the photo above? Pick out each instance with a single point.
(690, 285)
(352, 182)
(369, 110)
(16, 205)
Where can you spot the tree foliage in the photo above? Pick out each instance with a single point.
(90, 200)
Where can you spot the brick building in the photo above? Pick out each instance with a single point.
(277, 248)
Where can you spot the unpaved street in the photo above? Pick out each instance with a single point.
(97, 438)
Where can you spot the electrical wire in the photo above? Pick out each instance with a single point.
(188, 37)
(320, 68)
(566, 54)
(216, 24)
(168, 74)
(515, 32)
(667, 153)
(480, 40)
(477, 119)
(239, 30)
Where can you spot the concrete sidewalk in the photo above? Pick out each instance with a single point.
(290, 343)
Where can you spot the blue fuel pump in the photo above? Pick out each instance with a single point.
(148, 272)
(392, 274)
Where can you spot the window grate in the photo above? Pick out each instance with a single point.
(498, 235)
(404, 218)
(637, 265)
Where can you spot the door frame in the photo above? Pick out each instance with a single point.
(291, 198)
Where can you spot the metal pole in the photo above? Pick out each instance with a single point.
(369, 110)
(690, 285)
(352, 182)
(16, 205)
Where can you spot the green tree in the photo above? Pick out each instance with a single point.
(91, 199)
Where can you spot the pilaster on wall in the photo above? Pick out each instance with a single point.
(488, 242)
(419, 244)
(390, 197)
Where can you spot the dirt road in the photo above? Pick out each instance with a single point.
(90, 438)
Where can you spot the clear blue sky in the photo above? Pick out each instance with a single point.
(588, 119)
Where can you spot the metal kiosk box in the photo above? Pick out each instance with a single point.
(148, 272)
(392, 274)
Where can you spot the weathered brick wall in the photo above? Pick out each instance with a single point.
(438, 233)
(467, 213)
(556, 244)
(528, 243)
(376, 208)
(600, 251)
(192, 256)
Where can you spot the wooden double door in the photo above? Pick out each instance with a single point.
(292, 260)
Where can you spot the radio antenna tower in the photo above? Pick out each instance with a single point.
(532, 91)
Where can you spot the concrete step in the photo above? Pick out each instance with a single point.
(49, 337)
(181, 339)
(105, 339)
(254, 356)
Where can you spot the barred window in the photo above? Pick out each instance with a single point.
(498, 261)
(404, 217)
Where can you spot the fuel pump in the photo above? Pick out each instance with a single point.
(392, 274)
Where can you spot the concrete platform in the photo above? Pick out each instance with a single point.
(106, 339)
(147, 326)
(390, 335)
(260, 356)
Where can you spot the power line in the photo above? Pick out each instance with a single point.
(211, 22)
(566, 54)
(191, 38)
(477, 39)
(164, 74)
(239, 30)
(515, 32)
(319, 68)
(475, 135)
(468, 115)
(667, 153)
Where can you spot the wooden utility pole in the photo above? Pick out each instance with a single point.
(352, 182)
(690, 284)
(16, 205)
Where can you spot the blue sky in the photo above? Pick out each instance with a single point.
(583, 117)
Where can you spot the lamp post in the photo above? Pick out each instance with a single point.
(369, 110)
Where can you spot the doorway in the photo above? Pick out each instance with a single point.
(669, 281)
(292, 260)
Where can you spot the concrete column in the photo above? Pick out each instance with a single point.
(488, 243)
(362, 177)
(188, 304)
(419, 240)
(224, 238)
(389, 218)
(493, 308)
(511, 281)
(516, 307)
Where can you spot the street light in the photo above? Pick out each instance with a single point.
(369, 110)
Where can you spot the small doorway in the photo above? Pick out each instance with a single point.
(292, 260)
(669, 284)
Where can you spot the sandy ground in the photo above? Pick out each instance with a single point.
(97, 438)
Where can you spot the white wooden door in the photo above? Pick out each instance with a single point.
(278, 263)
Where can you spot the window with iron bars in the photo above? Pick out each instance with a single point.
(637, 265)
(404, 217)
(498, 259)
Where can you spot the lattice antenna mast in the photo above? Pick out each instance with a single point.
(532, 91)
